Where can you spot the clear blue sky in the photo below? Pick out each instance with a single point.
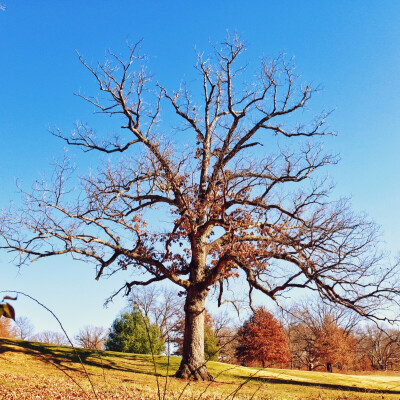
(351, 48)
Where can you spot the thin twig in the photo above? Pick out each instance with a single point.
(152, 353)
(168, 360)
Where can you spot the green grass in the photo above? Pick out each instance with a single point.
(31, 370)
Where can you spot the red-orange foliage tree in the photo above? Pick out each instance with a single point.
(262, 339)
(226, 190)
(6, 328)
(334, 346)
(324, 337)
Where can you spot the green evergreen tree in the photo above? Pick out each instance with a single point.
(211, 346)
(130, 334)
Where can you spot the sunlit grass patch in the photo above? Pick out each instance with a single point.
(30, 370)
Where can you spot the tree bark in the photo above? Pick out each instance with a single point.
(193, 364)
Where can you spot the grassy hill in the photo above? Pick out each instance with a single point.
(31, 370)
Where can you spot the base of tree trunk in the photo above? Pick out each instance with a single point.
(187, 372)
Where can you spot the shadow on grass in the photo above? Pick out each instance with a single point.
(330, 386)
(63, 356)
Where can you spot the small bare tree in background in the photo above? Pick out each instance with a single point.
(51, 337)
(24, 328)
(380, 346)
(91, 337)
(227, 337)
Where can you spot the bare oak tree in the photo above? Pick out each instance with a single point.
(235, 187)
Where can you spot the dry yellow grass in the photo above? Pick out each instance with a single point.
(30, 370)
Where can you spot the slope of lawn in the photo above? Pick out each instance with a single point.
(31, 370)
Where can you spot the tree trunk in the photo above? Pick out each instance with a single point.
(193, 364)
